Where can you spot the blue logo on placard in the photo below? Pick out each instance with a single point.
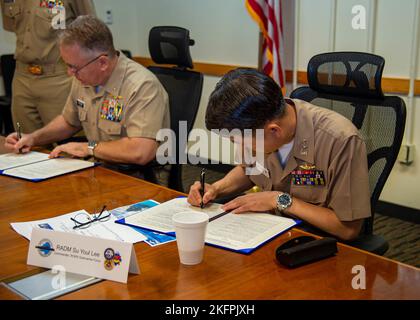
(45, 248)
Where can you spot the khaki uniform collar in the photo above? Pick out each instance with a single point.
(304, 145)
(114, 83)
(303, 148)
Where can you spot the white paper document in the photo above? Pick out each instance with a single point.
(36, 166)
(48, 169)
(105, 230)
(246, 231)
(159, 218)
(239, 232)
(12, 160)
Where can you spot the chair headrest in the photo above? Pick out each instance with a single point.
(171, 45)
(347, 73)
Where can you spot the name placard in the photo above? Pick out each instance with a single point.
(100, 258)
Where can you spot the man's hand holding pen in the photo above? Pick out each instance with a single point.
(195, 198)
(16, 144)
(19, 134)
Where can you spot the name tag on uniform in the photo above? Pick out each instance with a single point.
(80, 103)
(310, 177)
(112, 108)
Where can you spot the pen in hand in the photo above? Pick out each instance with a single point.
(203, 183)
(19, 134)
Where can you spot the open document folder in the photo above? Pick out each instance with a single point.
(36, 166)
(237, 232)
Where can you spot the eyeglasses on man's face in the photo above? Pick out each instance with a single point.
(76, 69)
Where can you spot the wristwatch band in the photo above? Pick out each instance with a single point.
(91, 147)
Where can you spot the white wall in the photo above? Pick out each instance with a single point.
(222, 29)
(394, 31)
(125, 22)
(402, 186)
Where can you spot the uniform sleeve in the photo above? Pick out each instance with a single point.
(148, 111)
(84, 7)
(349, 195)
(70, 111)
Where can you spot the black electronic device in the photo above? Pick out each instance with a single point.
(303, 250)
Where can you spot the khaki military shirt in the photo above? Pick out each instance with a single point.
(133, 103)
(32, 21)
(331, 143)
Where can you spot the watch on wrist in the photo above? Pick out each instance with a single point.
(284, 201)
(91, 147)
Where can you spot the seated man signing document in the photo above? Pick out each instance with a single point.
(120, 105)
(315, 163)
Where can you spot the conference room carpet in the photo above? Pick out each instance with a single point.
(403, 237)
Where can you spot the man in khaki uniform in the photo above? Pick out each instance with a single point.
(315, 162)
(41, 84)
(120, 105)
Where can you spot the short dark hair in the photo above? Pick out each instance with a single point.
(89, 33)
(244, 99)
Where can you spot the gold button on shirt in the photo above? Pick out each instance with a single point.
(330, 143)
(133, 103)
(32, 24)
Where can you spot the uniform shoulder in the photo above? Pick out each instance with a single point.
(139, 76)
(328, 121)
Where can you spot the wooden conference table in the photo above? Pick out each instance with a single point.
(222, 274)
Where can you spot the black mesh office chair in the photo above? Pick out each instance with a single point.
(8, 65)
(170, 45)
(350, 84)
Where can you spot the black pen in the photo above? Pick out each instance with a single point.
(19, 134)
(203, 184)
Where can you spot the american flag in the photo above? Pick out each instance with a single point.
(268, 15)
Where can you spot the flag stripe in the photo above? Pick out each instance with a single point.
(257, 13)
(268, 15)
(273, 20)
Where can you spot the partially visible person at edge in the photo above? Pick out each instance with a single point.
(40, 85)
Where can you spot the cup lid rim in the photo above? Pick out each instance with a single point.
(192, 223)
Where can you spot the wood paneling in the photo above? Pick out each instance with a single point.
(389, 85)
(210, 69)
